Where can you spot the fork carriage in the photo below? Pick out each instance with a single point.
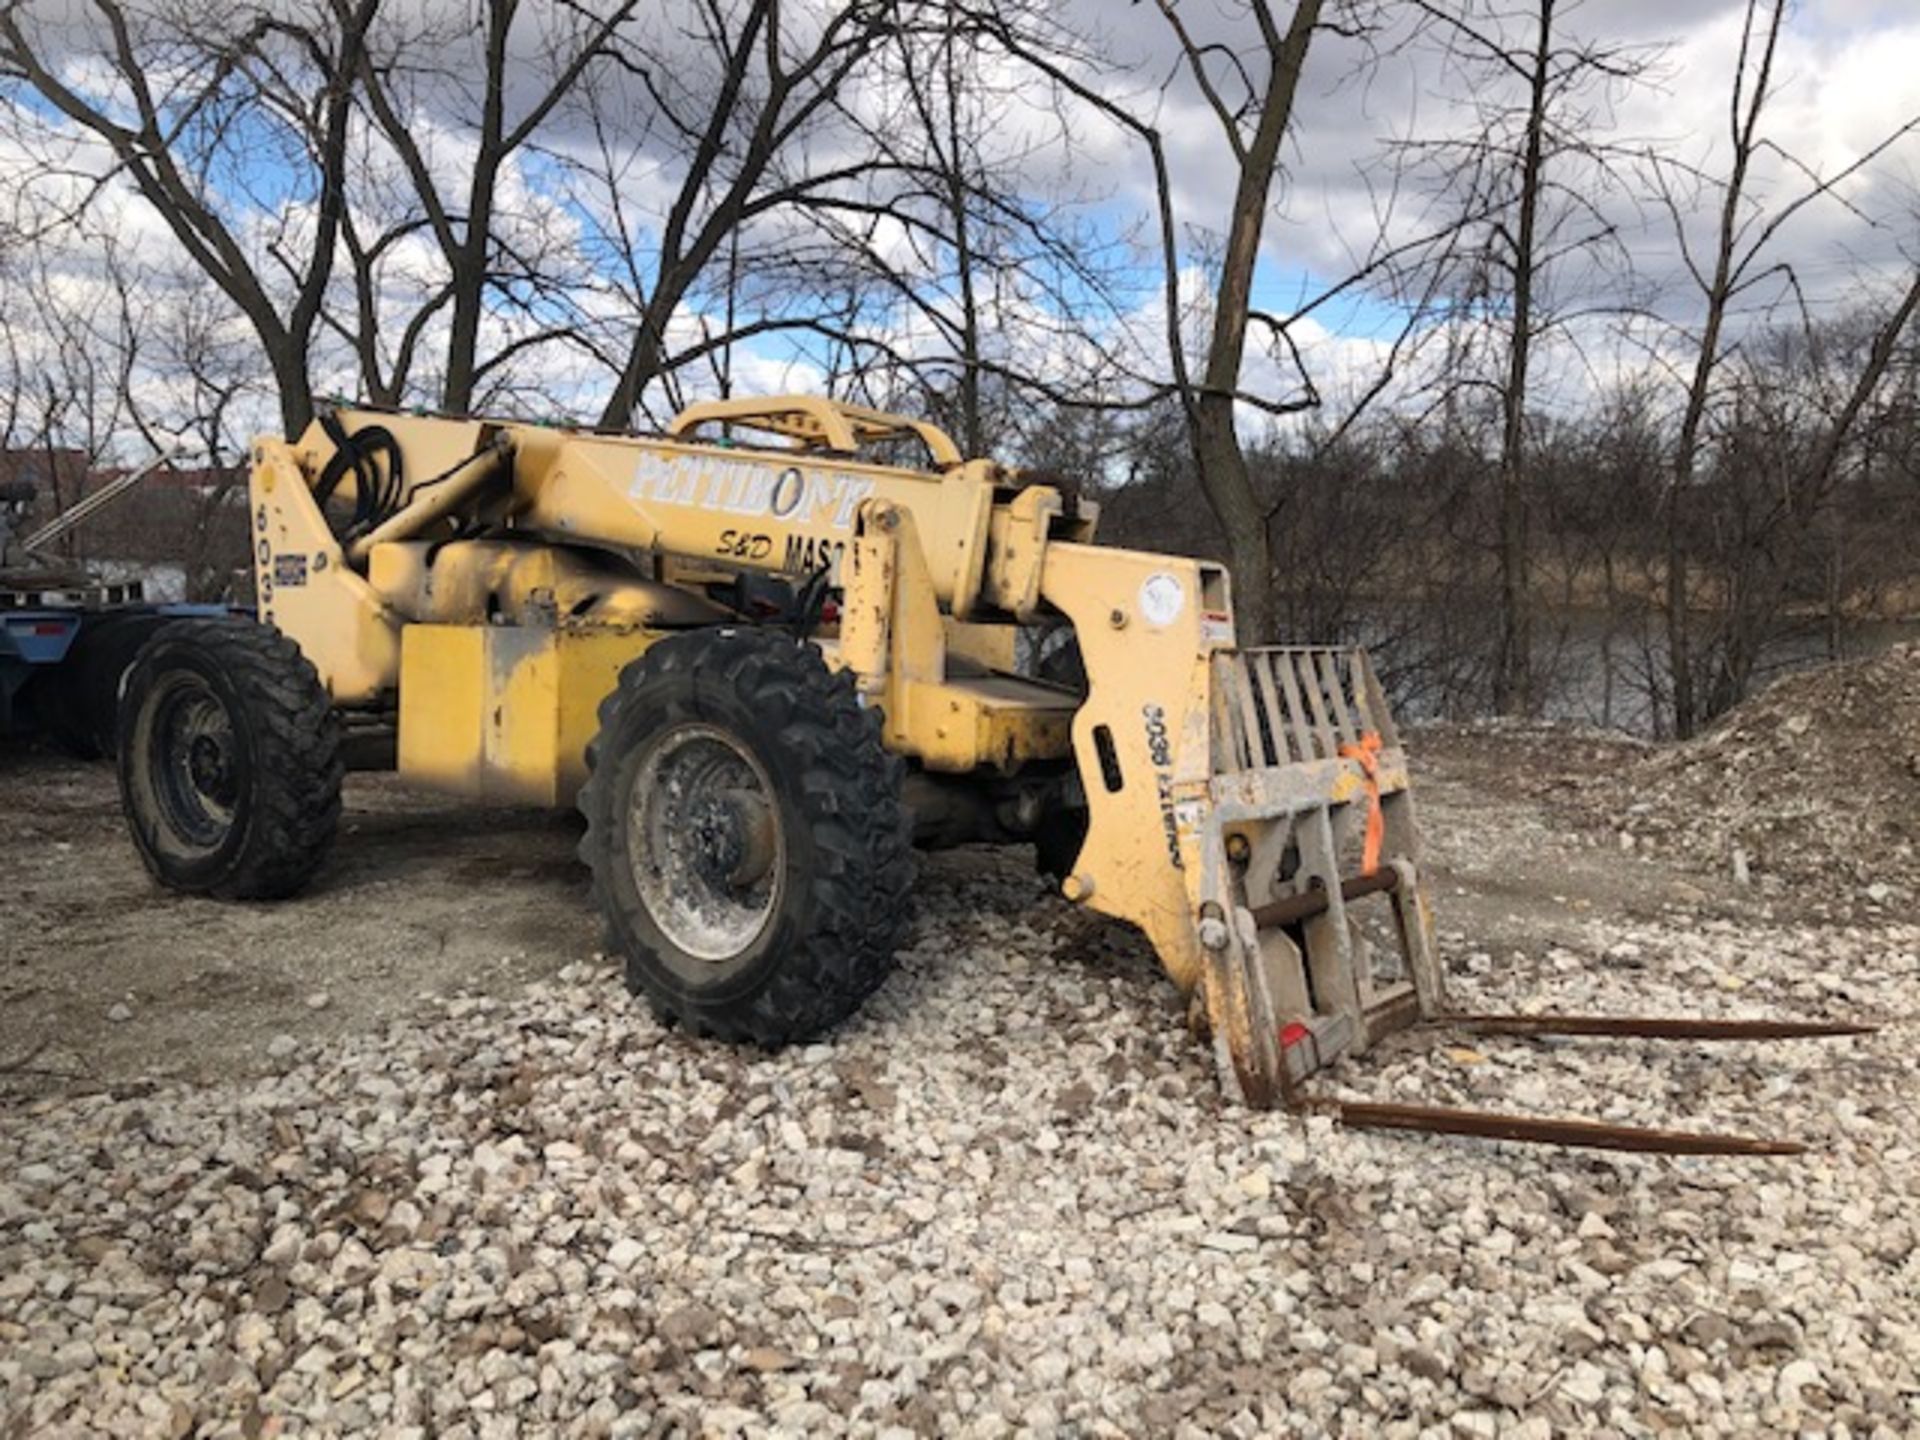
(1313, 811)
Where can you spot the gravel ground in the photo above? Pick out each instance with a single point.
(1006, 1198)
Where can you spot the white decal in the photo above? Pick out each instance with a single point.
(1162, 598)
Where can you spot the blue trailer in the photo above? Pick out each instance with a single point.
(66, 639)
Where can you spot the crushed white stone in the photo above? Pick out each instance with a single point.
(1005, 1198)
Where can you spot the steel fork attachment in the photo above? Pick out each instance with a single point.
(1312, 813)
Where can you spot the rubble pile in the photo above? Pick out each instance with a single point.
(1814, 782)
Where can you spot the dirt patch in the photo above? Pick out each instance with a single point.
(105, 977)
(1808, 789)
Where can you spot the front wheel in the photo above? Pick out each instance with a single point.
(229, 760)
(750, 852)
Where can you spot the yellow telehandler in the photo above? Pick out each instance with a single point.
(768, 652)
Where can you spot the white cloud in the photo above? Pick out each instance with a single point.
(1845, 81)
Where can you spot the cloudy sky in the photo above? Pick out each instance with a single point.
(1847, 76)
(1844, 82)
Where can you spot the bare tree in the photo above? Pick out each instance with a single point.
(1253, 124)
(983, 291)
(1253, 116)
(197, 95)
(724, 98)
(1531, 176)
(191, 391)
(108, 358)
(438, 72)
(1742, 242)
(1800, 397)
(64, 405)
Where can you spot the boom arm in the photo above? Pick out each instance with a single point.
(81, 511)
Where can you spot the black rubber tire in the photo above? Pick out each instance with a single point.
(58, 719)
(282, 763)
(79, 702)
(839, 916)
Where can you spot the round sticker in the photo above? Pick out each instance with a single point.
(1161, 598)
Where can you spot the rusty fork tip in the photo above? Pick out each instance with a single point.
(1550, 1130)
(1656, 1027)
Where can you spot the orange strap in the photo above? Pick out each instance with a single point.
(1367, 755)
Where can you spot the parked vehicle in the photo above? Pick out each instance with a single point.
(67, 636)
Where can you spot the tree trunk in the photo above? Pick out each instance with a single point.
(1222, 464)
(1513, 670)
(642, 367)
(1229, 490)
(287, 358)
(1718, 294)
(463, 335)
(973, 439)
(469, 262)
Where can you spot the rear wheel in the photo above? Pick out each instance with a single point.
(750, 852)
(229, 760)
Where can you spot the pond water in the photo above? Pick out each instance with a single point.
(1597, 667)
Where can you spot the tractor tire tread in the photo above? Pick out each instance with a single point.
(297, 764)
(863, 834)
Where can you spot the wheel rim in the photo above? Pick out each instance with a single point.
(704, 842)
(194, 758)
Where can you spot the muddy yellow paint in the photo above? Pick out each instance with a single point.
(505, 712)
(339, 621)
